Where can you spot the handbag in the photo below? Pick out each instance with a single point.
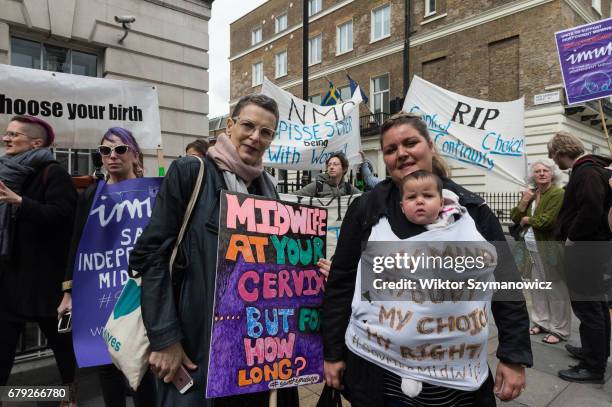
(125, 334)
(330, 397)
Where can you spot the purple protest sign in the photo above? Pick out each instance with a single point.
(116, 219)
(268, 296)
(585, 54)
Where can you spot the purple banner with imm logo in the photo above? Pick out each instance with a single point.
(268, 296)
(585, 54)
(116, 219)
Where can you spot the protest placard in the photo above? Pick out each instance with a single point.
(116, 219)
(585, 55)
(482, 135)
(308, 134)
(80, 108)
(268, 296)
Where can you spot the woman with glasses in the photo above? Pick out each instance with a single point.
(121, 159)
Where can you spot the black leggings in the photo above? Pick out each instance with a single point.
(115, 388)
(61, 344)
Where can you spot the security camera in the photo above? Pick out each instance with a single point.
(125, 19)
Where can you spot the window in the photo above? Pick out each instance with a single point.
(381, 27)
(314, 6)
(36, 55)
(256, 36)
(257, 74)
(314, 50)
(280, 23)
(281, 64)
(316, 99)
(345, 93)
(76, 162)
(380, 94)
(430, 7)
(344, 36)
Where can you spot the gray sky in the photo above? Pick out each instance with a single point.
(223, 13)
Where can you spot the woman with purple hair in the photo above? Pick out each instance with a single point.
(122, 160)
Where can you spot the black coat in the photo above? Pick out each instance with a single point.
(511, 318)
(32, 281)
(583, 215)
(188, 318)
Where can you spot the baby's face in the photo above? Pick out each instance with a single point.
(421, 201)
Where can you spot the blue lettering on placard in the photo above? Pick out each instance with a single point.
(284, 154)
(596, 82)
(496, 144)
(254, 327)
(464, 153)
(324, 155)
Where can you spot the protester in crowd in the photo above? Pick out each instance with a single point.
(37, 201)
(179, 328)
(366, 169)
(121, 160)
(330, 183)
(537, 213)
(582, 223)
(407, 147)
(197, 147)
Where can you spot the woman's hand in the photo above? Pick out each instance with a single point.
(167, 361)
(324, 267)
(333, 374)
(8, 196)
(509, 381)
(527, 197)
(65, 305)
(525, 221)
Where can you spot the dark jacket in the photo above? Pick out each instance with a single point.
(188, 318)
(324, 187)
(583, 215)
(84, 203)
(32, 280)
(511, 318)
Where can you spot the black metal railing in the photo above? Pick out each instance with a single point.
(370, 123)
(501, 203)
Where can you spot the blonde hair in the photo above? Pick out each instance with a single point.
(439, 166)
(566, 144)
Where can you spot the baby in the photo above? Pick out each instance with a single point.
(424, 202)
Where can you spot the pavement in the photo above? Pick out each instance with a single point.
(544, 388)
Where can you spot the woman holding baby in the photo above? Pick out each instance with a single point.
(418, 201)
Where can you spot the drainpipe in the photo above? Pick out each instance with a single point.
(407, 30)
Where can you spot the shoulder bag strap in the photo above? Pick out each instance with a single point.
(190, 205)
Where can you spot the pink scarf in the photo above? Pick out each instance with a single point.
(225, 155)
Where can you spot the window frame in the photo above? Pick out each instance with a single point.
(319, 2)
(277, 20)
(373, 93)
(372, 23)
(253, 31)
(348, 86)
(276, 65)
(338, 39)
(317, 95)
(428, 10)
(41, 42)
(320, 49)
(253, 83)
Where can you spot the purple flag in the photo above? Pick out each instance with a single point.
(116, 219)
(585, 54)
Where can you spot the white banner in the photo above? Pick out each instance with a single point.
(488, 136)
(80, 108)
(308, 134)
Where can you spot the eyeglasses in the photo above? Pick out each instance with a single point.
(108, 150)
(14, 134)
(249, 127)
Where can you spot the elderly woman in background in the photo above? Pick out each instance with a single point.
(537, 214)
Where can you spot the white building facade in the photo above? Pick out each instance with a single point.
(166, 46)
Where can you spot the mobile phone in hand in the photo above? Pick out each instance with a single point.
(182, 380)
(65, 323)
